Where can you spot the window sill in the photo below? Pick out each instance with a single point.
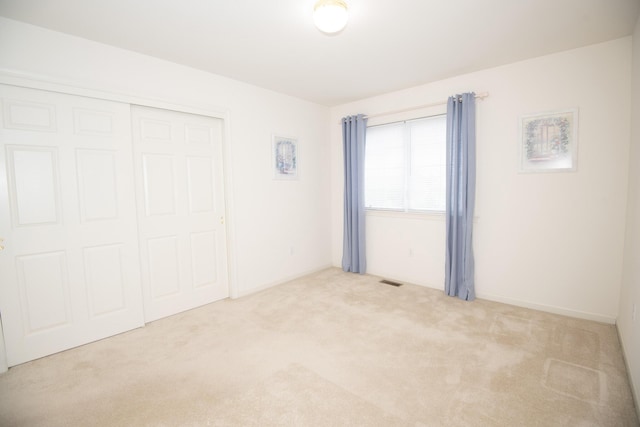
(427, 215)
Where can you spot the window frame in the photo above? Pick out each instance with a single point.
(405, 211)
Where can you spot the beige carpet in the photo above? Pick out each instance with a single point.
(334, 349)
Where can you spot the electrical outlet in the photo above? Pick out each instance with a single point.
(291, 250)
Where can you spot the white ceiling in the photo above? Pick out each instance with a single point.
(387, 45)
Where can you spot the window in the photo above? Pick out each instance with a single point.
(405, 165)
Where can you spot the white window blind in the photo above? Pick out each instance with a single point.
(405, 165)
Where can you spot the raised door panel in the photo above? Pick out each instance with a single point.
(200, 184)
(199, 134)
(98, 185)
(155, 131)
(105, 279)
(33, 116)
(159, 186)
(33, 185)
(93, 122)
(44, 291)
(164, 267)
(204, 258)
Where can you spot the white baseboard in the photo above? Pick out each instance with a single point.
(549, 308)
(518, 303)
(244, 293)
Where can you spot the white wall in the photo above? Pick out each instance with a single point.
(269, 217)
(551, 241)
(629, 328)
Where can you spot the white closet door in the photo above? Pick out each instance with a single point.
(70, 271)
(179, 181)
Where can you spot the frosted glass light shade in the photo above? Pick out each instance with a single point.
(330, 16)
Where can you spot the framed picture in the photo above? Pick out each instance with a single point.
(284, 157)
(549, 141)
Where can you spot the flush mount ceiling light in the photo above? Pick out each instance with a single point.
(330, 16)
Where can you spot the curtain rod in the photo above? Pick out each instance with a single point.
(482, 95)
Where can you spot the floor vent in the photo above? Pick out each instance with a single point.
(389, 282)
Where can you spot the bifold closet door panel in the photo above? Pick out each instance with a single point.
(180, 196)
(70, 268)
